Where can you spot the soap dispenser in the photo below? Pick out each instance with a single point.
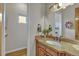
(50, 29)
(39, 29)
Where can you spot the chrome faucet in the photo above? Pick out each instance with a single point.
(58, 39)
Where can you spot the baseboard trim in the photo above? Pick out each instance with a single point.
(17, 52)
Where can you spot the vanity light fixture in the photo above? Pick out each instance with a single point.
(64, 5)
(58, 6)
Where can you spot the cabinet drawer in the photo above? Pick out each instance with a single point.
(51, 52)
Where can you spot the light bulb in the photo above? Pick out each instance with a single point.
(60, 4)
(64, 7)
(0, 14)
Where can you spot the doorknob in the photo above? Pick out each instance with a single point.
(6, 34)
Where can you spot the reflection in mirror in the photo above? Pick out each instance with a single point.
(54, 18)
(58, 18)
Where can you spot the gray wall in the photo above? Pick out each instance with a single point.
(17, 33)
(35, 17)
(69, 15)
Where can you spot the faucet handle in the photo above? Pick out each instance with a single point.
(60, 38)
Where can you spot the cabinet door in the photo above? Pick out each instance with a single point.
(48, 54)
(41, 52)
(51, 52)
(40, 49)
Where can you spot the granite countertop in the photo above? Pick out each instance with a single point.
(65, 46)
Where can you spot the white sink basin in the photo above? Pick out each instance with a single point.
(53, 43)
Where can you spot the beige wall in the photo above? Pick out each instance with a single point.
(1, 7)
(1, 10)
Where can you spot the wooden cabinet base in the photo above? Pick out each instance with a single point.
(43, 50)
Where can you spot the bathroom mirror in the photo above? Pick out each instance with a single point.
(62, 21)
(54, 19)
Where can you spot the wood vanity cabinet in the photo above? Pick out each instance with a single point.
(40, 49)
(43, 50)
(50, 52)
